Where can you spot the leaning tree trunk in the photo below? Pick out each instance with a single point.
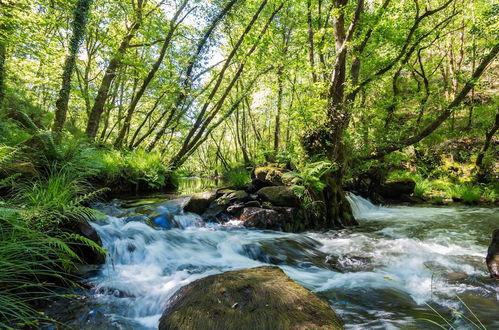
(109, 75)
(79, 24)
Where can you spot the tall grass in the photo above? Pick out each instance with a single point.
(30, 262)
(467, 192)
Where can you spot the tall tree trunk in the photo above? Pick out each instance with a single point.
(280, 92)
(3, 56)
(5, 30)
(109, 75)
(81, 12)
(328, 140)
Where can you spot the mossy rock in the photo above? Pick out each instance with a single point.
(198, 203)
(255, 298)
(279, 196)
(270, 175)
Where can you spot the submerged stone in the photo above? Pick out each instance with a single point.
(162, 221)
(261, 297)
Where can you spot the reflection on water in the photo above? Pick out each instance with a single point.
(194, 184)
(378, 276)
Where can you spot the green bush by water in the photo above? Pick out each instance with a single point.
(237, 177)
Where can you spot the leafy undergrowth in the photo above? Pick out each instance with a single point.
(441, 189)
(237, 176)
(36, 249)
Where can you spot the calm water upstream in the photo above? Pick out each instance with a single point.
(381, 275)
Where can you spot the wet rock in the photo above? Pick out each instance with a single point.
(239, 195)
(162, 221)
(293, 218)
(279, 196)
(235, 209)
(232, 197)
(256, 217)
(264, 297)
(253, 204)
(347, 263)
(256, 185)
(396, 188)
(198, 203)
(87, 254)
(456, 276)
(492, 258)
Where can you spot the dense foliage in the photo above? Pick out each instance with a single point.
(130, 94)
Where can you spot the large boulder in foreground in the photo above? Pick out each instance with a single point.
(255, 298)
(198, 203)
(492, 258)
(279, 196)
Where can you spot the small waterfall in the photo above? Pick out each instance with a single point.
(363, 208)
(400, 258)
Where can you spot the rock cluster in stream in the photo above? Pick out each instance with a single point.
(261, 297)
(265, 203)
(492, 258)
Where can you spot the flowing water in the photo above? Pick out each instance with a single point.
(382, 275)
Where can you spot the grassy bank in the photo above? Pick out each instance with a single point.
(45, 190)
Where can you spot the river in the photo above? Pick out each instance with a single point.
(400, 267)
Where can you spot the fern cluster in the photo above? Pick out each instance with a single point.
(309, 177)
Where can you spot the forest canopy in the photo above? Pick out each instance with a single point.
(209, 86)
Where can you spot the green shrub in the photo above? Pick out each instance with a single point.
(146, 166)
(55, 199)
(237, 177)
(491, 193)
(423, 188)
(309, 177)
(467, 192)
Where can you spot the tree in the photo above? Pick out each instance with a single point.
(81, 12)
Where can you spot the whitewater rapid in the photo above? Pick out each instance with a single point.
(381, 274)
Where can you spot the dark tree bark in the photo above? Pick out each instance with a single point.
(81, 12)
(311, 51)
(3, 56)
(280, 92)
